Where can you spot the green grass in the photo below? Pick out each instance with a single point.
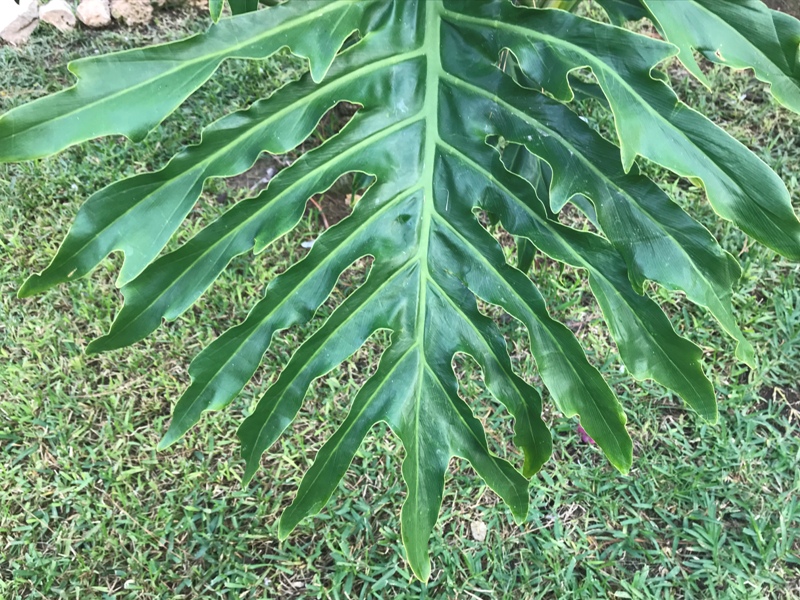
(89, 509)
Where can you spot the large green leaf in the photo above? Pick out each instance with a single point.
(620, 11)
(129, 93)
(740, 34)
(461, 110)
(651, 121)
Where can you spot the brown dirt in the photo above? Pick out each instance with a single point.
(791, 7)
(335, 204)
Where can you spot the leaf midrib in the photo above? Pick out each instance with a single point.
(433, 66)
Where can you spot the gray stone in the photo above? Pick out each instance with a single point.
(17, 25)
(479, 530)
(132, 12)
(94, 13)
(58, 13)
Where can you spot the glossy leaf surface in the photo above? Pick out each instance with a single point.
(463, 110)
(741, 34)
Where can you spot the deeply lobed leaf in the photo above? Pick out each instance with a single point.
(462, 110)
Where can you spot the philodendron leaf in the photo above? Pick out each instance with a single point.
(650, 120)
(460, 111)
(741, 34)
(242, 6)
(215, 9)
(129, 93)
(620, 11)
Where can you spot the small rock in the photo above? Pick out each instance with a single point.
(18, 22)
(132, 12)
(59, 14)
(94, 13)
(479, 530)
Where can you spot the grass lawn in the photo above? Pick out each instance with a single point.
(89, 509)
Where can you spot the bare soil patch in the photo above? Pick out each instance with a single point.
(791, 7)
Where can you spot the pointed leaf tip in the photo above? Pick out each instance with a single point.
(169, 438)
(215, 9)
(26, 290)
(624, 466)
(712, 418)
(746, 353)
(247, 476)
(98, 346)
(420, 567)
(34, 285)
(284, 530)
